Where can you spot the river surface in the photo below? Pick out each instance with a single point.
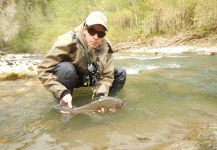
(171, 103)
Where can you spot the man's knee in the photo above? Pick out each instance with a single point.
(119, 79)
(65, 70)
(66, 74)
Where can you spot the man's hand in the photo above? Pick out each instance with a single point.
(67, 99)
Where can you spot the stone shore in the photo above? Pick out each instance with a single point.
(19, 66)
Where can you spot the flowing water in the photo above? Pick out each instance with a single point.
(171, 103)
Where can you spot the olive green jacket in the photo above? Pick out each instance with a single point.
(66, 48)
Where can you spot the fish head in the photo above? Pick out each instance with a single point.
(119, 103)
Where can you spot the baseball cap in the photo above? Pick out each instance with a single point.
(97, 17)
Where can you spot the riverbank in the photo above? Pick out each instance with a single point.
(19, 66)
(176, 44)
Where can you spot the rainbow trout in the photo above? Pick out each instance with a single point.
(107, 103)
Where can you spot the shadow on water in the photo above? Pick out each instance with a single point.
(171, 103)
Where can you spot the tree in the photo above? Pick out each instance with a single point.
(8, 24)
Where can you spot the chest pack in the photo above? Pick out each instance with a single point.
(91, 76)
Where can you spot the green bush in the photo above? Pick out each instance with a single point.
(206, 16)
(38, 22)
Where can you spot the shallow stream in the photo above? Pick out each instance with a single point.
(171, 103)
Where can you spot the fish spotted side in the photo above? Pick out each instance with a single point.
(106, 103)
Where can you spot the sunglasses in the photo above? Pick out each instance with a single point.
(92, 32)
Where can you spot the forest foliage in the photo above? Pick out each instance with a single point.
(33, 25)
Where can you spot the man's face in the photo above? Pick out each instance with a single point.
(94, 35)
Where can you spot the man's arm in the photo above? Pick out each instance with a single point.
(58, 53)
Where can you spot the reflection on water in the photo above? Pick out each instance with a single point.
(171, 104)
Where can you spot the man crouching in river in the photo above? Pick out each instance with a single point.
(82, 58)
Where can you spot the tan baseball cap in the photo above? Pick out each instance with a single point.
(97, 17)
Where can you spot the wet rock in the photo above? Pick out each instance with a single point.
(11, 76)
(9, 62)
